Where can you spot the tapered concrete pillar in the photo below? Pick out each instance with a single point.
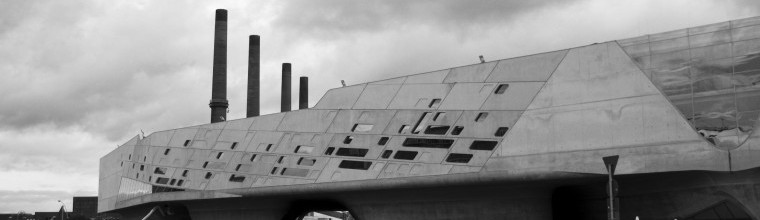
(285, 99)
(254, 68)
(218, 103)
(303, 93)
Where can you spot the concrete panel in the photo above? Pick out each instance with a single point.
(419, 96)
(472, 73)
(467, 96)
(377, 96)
(332, 173)
(517, 96)
(593, 73)
(239, 124)
(267, 122)
(205, 138)
(347, 119)
(644, 120)
(368, 142)
(161, 138)
(307, 120)
(464, 169)
(222, 181)
(709, 28)
(391, 81)
(340, 98)
(181, 136)
(633, 41)
(424, 155)
(262, 138)
(486, 128)
(230, 136)
(431, 77)
(406, 118)
(479, 157)
(395, 170)
(177, 157)
(528, 68)
(291, 141)
(278, 181)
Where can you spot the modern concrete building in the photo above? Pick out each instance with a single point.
(518, 138)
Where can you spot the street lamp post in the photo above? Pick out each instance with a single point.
(613, 205)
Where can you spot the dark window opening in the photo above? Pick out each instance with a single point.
(205, 164)
(383, 141)
(329, 151)
(428, 143)
(274, 170)
(122, 164)
(348, 140)
(159, 170)
(405, 155)
(352, 152)
(166, 152)
(386, 154)
(237, 168)
(269, 147)
(438, 115)
(187, 142)
(483, 145)
(184, 173)
(403, 129)
(219, 155)
(434, 103)
(294, 172)
(130, 157)
(420, 123)
(307, 161)
(142, 167)
(234, 144)
(501, 131)
(149, 178)
(173, 181)
(481, 116)
(357, 165)
(280, 159)
(253, 157)
(457, 130)
(458, 158)
(162, 180)
(180, 182)
(437, 129)
(238, 179)
(501, 88)
(145, 158)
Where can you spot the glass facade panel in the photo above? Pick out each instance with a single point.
(747, 63)
(746, 47)
(637, 50)
(748, 99)
(713, 52)
(672, 81)
(711, 38)
(747, 79)
(130, 188)
(670, 45)
(672, 60)
(746, 33)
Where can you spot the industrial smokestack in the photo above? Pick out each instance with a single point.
(219, 102)
(285, 101)
(303, 93)
(254, 67)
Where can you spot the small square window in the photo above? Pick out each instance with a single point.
(172, 181)
(501, 131)
(237, 168)
(219, 155)
(481, 117)
(434, 103)
(205, 164)
(457, 130)
(348, 140)
(501, 89)
(280, 160)
(184, 173)
(269, 147)
(142, 167)
(329, 150)
(274, 170)
(253, 157)
(234, 144)
(208, 175)
(187, 142)
(383, 141)
(386, 154)
(166, 152)
(180, 182)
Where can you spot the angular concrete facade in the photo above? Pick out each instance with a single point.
(504, 139)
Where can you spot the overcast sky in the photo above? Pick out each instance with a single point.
(79, 77)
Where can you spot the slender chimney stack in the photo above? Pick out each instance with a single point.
(254, 67)
(218, 103)
(303, 93)
(285, 100)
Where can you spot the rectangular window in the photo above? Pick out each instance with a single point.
(237, 168)
(348, 139)
(501, 131)
(356, 165)
(253, 157)
(142, 167)
(382, 141)
(483, 145)
(184, 173)
(405, 155)
(234, 144)
(205, 164)
(428, 143)
(280, 159)
(420, 123)
(458, 158)
(219, 155)
(187, 142)
(173, 181)
(294, 172)
(180, 182)
(236, 178)
(329, 151)
(351, 152)
(386, 154)
(434, 103)
(362, 128)
(307, 161)
(403, 128)
(501, 88)
(303, 149)
(159, 170)
(166, 152)
(457, 130)
(438, 115)
(481, 116)
(269, 147)
(162, 180)
(274, 170)
(437, 129)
